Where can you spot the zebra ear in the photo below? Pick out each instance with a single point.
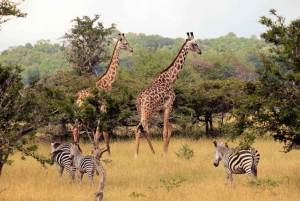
(226, 145)
(215, 143)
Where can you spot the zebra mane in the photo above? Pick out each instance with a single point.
(54, 154)
(77, 145)
(223, 148)
(56, 144)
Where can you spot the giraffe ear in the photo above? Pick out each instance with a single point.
(115, 40)
(192, 35)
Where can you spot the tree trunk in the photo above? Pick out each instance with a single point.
(1, 161)
(1, 166)
(100, 169)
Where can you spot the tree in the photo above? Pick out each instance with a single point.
(205, 101)
(9, 9)
(22, 110)
(85, 45)
(272, 105)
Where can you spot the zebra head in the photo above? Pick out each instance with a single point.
(55, 145)
(219, 152)
(75, 150)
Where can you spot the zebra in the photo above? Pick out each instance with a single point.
(60, 156)
(240, 162)
(82, 164)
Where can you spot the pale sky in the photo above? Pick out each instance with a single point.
(50, 19)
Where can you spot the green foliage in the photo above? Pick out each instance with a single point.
(107, 161)
(9, 9)
(267, 182)
(205, 101)
(171, 183)
(185, 152)
(22, 110)
(43, 59)
(85, 46)
(136, 194)
(271, 105)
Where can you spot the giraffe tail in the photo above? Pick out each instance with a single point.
(141, 128)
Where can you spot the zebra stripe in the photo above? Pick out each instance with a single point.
(241, 162)
(83, 164)
(60, 156)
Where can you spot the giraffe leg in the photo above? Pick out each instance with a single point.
(170, 129)
(165, 138)
(105, 135)
(106, 139)
(75, 131)
(145, 132)
(97, 133)
(137, 141)
(167, 127)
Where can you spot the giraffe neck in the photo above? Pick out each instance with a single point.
(171, 74)
(107, 79)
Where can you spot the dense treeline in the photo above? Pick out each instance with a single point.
(42, 58)
(227, 56)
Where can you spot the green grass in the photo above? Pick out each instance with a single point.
(153, 177)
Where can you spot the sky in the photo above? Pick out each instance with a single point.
(51, 19)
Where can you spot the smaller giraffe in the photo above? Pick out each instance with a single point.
(159, 97)
(105, 83)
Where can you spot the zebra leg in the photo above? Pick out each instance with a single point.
(91, 174)
(60, 170)
(80, 174)
(71, 174)
(228, 176)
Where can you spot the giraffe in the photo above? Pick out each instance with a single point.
(105, 83)
(158, 98)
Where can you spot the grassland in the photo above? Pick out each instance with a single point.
(153, 178)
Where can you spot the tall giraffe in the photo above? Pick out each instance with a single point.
(105, 83)
(159, 97)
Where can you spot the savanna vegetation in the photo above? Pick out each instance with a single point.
(157, 178)
(241, 89)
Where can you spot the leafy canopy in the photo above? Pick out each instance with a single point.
(85, 45)
(272, 105)
(8, 9)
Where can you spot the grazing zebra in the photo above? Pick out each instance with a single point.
(60, 155)
(241, 162)
(82, 164)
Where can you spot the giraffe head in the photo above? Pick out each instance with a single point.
(123, 44)
(191, 43)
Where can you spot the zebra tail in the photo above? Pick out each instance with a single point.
(255, 158)
(254, 168)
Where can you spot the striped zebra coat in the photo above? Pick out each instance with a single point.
(82, 164)
(60, 156)
(240, 162)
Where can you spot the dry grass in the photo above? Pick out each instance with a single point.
(142, 179)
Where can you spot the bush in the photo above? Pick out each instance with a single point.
(185, 152)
